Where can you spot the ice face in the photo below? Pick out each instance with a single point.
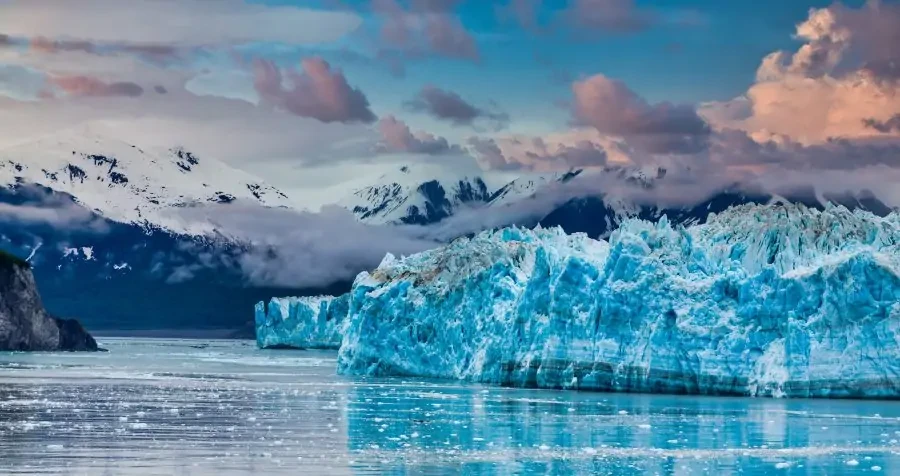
(777, 300)
(303, 323)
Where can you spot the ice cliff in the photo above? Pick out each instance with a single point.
(777, 300)
(301, 322)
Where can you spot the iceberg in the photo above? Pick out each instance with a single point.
(778, 300)
(301, 322)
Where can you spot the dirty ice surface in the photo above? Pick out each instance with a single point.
(185, 407)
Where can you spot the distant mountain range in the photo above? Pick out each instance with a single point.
(98, 219)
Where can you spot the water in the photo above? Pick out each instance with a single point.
(172, 407)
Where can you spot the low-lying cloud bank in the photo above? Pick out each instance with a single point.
(305, 249)
(37, 207)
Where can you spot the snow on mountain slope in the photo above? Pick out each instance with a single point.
(527, 185)
(420, 193)
(777, 300)
(129, 184)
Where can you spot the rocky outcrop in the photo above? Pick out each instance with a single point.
(24, 324)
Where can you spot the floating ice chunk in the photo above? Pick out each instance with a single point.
(306, 322)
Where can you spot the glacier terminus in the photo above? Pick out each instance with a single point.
(777, 300)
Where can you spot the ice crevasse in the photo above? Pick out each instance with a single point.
(775, 300)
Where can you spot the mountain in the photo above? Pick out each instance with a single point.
(24, 323)
(597, 216)
(126, 183)
(97, 218)
(419, 194)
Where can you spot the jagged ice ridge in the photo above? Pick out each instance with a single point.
(777, 300)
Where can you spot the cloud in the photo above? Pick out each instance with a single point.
(318, 92)
(39, 207)
(302, 249)
(102, 64)
(397, 137)
(614, 109)
(838, 84)
(20, 82)
(234, 131)
(422, 29)
(173, 22)
(449, 106)
(551, 153)
(608, 16)
(736, 148)
(46, 45)
(160, 53)
(88, 86)
(888, 126)
(488, 153)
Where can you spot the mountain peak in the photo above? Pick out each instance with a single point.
(128, 183)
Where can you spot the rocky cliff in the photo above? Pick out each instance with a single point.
(24, 324)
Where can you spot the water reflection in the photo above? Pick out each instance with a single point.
(475, 430)
(165, 407)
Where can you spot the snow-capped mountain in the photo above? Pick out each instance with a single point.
(419, 194)
(527, 185)
(133, 246)
(127, 183)
(130, 249)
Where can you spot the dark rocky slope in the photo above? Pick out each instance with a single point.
(24, 324)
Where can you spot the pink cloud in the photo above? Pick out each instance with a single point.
(47, 45)
(93, 87)
(614, 16)
(557, 152)
(427, 27)
(841, 83)
(318, 91)
(613, 109)
(447, 105)
(397, 137)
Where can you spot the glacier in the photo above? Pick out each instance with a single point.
(301, 322)
(773, 300)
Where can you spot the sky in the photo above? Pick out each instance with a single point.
(312, 93)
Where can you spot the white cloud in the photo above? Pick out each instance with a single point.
(172, 22)
(307, 249)
(234, 131)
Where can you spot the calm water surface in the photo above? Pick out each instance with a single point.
(174, 407)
